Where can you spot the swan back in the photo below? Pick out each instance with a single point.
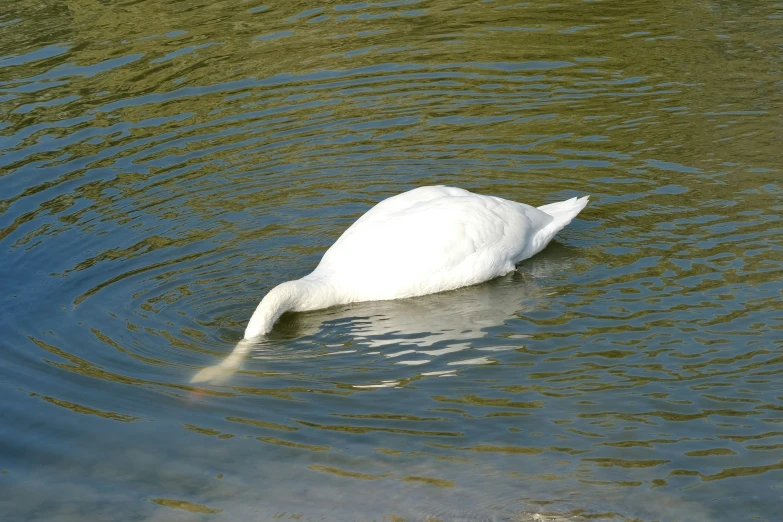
(430, 240)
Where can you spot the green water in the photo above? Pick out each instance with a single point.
(164, 164)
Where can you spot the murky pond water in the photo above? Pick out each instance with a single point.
(164, 164)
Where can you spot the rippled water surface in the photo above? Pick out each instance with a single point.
(164, 164)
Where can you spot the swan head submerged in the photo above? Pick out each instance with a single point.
(227, 367)
(294, 296)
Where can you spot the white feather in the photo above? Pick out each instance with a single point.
(427, 240)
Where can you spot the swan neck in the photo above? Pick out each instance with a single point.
(293, 296)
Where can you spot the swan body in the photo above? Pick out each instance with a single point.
(426, 240)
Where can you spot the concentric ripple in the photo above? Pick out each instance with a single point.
(164, 164)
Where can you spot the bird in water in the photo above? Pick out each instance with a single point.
(426, 240)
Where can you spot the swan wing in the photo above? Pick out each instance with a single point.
(401, 203)
(430, 240)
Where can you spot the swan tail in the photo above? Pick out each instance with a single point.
(562, 212)
(565, 210)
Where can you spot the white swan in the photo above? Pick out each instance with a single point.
(427, 240)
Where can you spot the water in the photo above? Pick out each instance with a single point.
(164, 164)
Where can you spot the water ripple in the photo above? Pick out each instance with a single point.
(164, 165)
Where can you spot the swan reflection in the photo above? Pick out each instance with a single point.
(415, 331)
